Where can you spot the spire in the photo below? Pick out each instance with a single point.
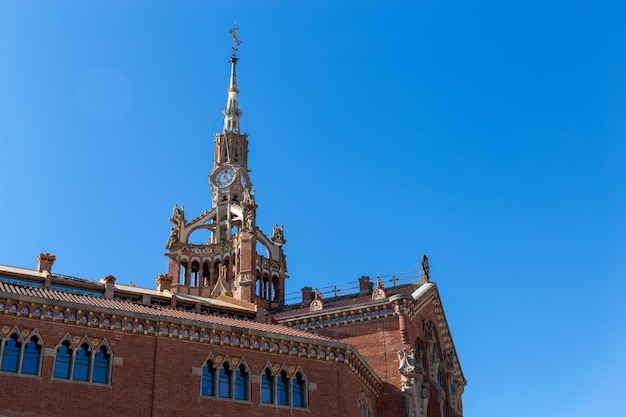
(232, 112)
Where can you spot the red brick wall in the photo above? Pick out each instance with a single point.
(176, 391)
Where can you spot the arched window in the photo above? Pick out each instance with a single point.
(101, 366)
(241, 383)
(11, 354)
(205, 274)
(82, 363)
(275, 288)
(208, 379)
(62, 361)
(195, 274)
(440, 376)
(298, 391)
(224, 381)
(282, 389)
(30, 361)
(267, 387)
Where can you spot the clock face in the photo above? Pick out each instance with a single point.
(243, 180)
(224, 177)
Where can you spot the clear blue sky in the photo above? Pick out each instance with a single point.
(486, 134)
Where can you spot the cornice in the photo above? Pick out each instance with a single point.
(299, 346)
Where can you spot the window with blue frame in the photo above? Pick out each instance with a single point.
(282, 389)
(224, 381)
(82, 363)
(32, 355)
(101, 366)
(62, 361)
(241, 383)
(11, 354)
(298, 391)
(267, 387)
(208, 379)
(18, 357)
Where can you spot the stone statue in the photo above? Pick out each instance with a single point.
(173, 238)
(248, 206)
(364, 405)
(249, 220)
(409, 389)
(456, 389)
(449, 359)
(429, 331)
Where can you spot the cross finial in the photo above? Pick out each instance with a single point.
(236, 41)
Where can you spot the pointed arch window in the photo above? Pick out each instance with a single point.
(224, 381)
(11, 354)
(62, 361)
(282, 389)
(208, 379)
(82, 363)
(298, 391)
(23, 358)
(101, 363)
(440, 376)
(32, 357)
(267, 387)
(242, 379)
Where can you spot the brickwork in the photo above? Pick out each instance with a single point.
(156, 378)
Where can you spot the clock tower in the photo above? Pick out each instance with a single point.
(227, 264)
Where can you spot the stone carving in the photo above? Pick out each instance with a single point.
(448, 359)
(178, 216)
(221, 287)
(456, 389)
(248, 206)
(407, 362)
(379, 293)
(317, 303)
(434, 359)
(415, 392)
(415, 398)
(178, 221)
(429, 330)
(278, 235)
(364, 406)
(173, 238)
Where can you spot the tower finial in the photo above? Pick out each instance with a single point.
(232, 112)
(236, 41)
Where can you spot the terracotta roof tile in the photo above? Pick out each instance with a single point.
(161, 312)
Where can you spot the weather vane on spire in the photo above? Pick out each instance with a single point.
(236, 41)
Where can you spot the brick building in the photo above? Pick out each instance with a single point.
(217, 337)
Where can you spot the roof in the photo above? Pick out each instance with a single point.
(157, 312)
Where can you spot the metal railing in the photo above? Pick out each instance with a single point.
(353, 287)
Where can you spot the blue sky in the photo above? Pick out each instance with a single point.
(488, 135)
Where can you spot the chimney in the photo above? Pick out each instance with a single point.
(365, 285)
(45, 261)
(164, 282)
(109, 286)
(307, 295)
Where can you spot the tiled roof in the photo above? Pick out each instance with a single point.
(161, 313)
(350, 300)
